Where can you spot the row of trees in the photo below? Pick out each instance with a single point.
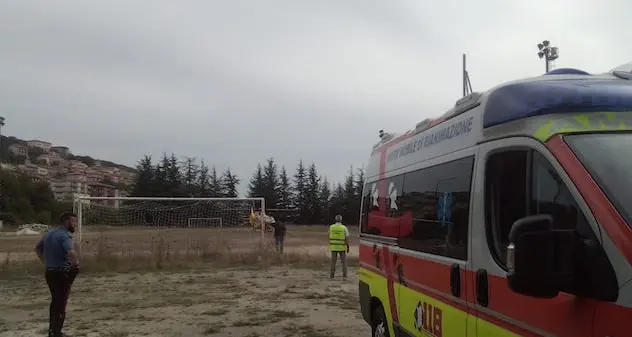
(170, 177)
(25, 201)
(311, 195)
(306, 197)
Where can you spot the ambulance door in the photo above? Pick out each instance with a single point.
(518, 177)
(431, 266)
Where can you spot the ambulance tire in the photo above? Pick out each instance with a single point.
(379, 325)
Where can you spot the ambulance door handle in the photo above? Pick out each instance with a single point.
(482, 287)
(455, 280)
(399, 268)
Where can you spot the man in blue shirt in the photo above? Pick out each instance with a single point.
(56, 251)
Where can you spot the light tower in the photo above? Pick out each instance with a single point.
(548, 53)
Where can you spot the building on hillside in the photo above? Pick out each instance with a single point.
(77, 166)
(38, 173)
(51, 159)
(98, 189)
(39, 144)
(93, 175)
(67, 189)
(19, 149)
(62, 151)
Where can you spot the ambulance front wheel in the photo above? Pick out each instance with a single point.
(379, 324)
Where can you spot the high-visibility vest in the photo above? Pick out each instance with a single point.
(337, 238)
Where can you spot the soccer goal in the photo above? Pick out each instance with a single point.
(98, 213)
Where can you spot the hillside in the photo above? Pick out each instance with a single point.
(10, 158)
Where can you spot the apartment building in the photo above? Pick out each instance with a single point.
(67, 189)
(62, 151)
(77, 166)
(39, 144)
(19, 149)
(50, 159)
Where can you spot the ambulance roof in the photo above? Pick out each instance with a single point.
(556, 94)
(560, 91)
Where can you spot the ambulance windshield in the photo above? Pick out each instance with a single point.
(608, 158)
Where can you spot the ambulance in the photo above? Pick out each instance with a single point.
(510, 215)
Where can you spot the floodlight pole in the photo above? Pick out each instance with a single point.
(547, 52)
(1, 125)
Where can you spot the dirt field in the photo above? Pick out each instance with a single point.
(235, 300)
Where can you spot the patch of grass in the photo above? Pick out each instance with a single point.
(116, 333)
(159, 254)
(304, 331)
(216, 312)
(213, 329)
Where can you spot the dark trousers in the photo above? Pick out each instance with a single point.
(59, 283)
(343, 260)
(279, 243)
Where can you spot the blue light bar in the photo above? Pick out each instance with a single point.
(567, 71)
(529, 99)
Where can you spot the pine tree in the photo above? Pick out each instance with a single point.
(312, 189)
(256, 186)
(229, 184)
(174, 177)
(215, 184)
(359, 183)
(190, 175)
(324, 197)
(203, 184)
(301, 201)
(160, 185)
(337, 200)
(271, 184)
(285, 190)
(145, 176)
(348, 203)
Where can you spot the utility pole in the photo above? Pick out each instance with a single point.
(548, 53)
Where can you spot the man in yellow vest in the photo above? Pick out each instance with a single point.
(339, 246)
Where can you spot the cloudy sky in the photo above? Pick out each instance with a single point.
(235, 82)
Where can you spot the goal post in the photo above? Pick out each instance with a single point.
(165, 212)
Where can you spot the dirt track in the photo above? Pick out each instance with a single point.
(276, 302)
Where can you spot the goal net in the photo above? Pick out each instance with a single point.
(205, 222)
(99, 213)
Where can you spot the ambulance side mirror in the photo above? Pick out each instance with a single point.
(539, 258)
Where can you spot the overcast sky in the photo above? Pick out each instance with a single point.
(235, 82)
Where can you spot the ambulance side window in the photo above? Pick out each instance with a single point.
(519, 183)
(435, 208)
(381, 213)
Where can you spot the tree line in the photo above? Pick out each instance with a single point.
(306, 197)
(25, 201)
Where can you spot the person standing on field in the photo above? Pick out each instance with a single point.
(279, 235)
(57, 253)
(339, 246)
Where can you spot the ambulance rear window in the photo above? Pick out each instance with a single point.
(608, 158)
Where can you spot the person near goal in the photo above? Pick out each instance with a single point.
(279, 235)
(339, 246)
(56, 251)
